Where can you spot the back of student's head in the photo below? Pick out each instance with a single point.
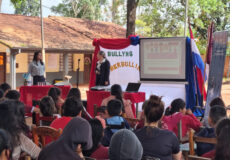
(217, 101)
(74, 92)
(216, 113)
(47, 106)
(72, 107)
(125, 145)
(154, 109)
(97, 134)
(55, 93)
(5, 87)
(10, 120)
(223, 139)
(5, 145)
(177, 105)
(13, 94)
(114, 107)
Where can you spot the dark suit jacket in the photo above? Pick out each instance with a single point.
(104, 74)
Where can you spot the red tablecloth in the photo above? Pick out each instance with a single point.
(29, 93)
(96, 97)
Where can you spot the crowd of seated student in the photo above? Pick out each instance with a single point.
(109, 136)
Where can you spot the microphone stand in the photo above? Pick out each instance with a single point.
(78, 68)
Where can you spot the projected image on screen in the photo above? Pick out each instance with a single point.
(163, 59)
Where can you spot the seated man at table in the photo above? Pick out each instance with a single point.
(215, 114)
(115, 122)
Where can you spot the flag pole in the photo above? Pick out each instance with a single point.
(193, 67)
(208, 50)
(42, 35)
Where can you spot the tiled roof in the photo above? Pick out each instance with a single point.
(60, 32)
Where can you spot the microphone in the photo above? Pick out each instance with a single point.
(79, 60)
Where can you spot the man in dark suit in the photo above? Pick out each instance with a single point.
(102, 70)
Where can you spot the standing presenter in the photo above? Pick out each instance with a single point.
(102, 70)
(37, 68)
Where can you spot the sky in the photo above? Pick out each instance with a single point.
(7, 7)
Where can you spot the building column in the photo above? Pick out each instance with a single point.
(13, 70)
(65, 64)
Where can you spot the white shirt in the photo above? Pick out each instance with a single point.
(36, 69)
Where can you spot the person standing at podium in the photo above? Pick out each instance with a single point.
(102, 70)
(37, 68)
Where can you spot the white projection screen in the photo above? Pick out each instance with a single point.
(163, 59)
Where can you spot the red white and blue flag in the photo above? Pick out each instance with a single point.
(199, 67)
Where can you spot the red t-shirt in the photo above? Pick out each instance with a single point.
(188, 121)
(210, 154)
(58, 123)
(101, 153)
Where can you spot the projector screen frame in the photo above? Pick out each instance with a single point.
(165, 80)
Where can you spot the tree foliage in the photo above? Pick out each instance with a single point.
(27, 7)
(161, 18)
(86, 9)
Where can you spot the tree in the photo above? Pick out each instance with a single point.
(27, 7)
(131, 16)
(118, 11)
(86, 9)
(161, 18)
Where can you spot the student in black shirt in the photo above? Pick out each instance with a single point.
(156, 142)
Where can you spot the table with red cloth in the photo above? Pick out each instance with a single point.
(29, 93)
(96, 97)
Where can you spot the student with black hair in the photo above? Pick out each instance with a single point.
(156, 142)
(47, 109)
(55, 93)
(71, 108)
(74, 92)
(217, 101)
(97, 151)
(116, 93)
(114, 122)
(178, 112)
(13, 95)
(5, 87)
(5, 145)
(215, 114)
(14, 123)
(37, 68)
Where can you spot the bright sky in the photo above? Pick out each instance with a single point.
(7, 7)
